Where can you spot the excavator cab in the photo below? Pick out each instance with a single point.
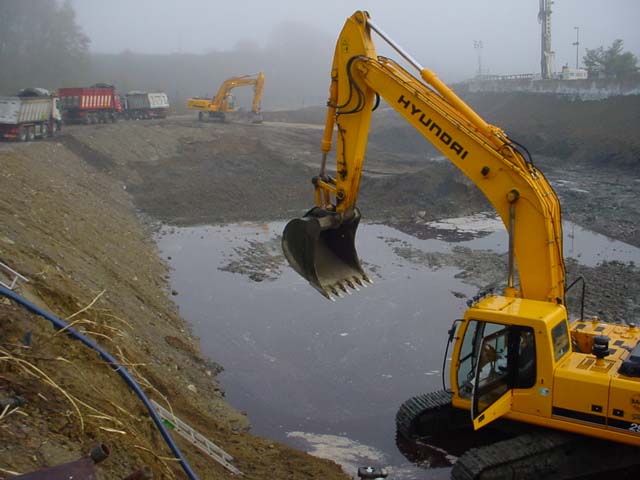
(320, 246)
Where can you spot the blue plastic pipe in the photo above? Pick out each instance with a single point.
(113, 363)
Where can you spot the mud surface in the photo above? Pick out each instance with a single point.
(77, 218)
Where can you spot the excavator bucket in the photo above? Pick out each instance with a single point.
(322, 250)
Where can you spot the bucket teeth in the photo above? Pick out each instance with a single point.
(326, 294)
(344, 287)
(335, 291)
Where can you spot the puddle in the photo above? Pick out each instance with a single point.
(324, 376)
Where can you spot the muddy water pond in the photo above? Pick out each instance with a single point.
(328, 377)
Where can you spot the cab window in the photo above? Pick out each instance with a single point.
(560, 338)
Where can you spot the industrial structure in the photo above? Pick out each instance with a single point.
(547, 58)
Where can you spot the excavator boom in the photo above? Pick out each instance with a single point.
(319, 245)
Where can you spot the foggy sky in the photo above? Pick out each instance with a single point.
(439, 34)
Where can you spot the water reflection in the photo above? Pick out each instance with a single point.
(310, 371)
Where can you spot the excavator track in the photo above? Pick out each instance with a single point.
(429, 414)
(550, 455)
(424, 424)
(538, 454)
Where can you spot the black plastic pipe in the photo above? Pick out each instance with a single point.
(113, 363)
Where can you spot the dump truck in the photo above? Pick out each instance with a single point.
(32, 113)
(95, 104)
(139, 105)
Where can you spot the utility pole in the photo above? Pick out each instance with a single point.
(477, 44)
(577, 44)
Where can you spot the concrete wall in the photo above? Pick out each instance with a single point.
(593, 89)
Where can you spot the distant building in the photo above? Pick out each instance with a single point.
(573, 73)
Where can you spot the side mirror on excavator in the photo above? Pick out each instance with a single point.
(320, 246)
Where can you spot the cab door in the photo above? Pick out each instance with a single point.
(506, 359)
(494, 359)
(493, 377)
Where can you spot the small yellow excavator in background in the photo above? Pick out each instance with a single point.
(215, 108)
(516, 357)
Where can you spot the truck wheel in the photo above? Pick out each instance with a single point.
(22, 134)
(30, 134)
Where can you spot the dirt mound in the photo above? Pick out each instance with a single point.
(185, 173)
(599, 133)
(437, 190)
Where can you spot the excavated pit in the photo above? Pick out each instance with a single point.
(79, 217)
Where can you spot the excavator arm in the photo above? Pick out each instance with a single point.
(257, 94)
(320, 246)
(257, 81)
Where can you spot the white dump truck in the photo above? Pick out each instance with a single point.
(139, 105)
(32, 113)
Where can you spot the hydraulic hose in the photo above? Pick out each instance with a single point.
(113, 363)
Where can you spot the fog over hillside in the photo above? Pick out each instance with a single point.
(188, 48)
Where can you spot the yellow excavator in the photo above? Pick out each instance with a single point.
(517, 358)
(222, 103)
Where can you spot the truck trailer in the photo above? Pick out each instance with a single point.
(138, 105)
(32, 113)
(96, 104)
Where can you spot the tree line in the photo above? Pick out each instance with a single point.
(611, 62)
(40, 44)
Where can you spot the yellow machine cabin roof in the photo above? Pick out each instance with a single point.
(517, 311)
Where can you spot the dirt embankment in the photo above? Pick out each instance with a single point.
(70, 226)
(71, 214)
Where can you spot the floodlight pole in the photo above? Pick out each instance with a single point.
(577, 44)
(477, 44)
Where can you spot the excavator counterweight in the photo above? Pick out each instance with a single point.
(323, 253)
